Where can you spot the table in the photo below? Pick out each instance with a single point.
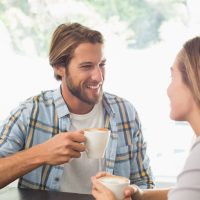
(11, 193)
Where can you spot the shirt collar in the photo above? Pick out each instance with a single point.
(62, 109)
(61, 106)
(107, 104)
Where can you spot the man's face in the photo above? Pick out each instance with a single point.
(84, 75)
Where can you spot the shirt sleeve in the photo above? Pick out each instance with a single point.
(141, 173)
(13, 132)
(188, 182)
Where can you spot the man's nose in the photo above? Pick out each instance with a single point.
(97, 74)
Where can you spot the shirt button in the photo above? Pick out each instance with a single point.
(56, 179)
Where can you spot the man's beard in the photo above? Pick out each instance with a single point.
(81, 94)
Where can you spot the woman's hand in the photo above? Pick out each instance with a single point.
(101, 174)
(99, 191)
(134, 192)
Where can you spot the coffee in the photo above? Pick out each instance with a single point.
(116, 184)
(96, 142)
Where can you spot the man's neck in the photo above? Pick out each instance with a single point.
(74, 104)
(79, 108)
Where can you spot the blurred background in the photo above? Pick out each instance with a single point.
(142, 38)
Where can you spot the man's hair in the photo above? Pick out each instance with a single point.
(189, 66)
(66, 38)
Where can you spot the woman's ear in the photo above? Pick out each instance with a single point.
(59, 70)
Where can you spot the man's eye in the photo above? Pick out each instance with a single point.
(102, 64)
(86, 66)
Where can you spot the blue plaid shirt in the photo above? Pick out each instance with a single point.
(41, 117)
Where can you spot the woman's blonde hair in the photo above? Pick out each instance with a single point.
(189, 66)
(66, 38)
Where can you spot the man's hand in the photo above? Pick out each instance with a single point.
(63, 147)
(57, 150)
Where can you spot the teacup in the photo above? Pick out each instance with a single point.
(116, 184)
(96, 142)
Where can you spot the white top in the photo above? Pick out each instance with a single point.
(188, 182)
(77, 173)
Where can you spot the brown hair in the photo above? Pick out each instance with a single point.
(189, 66)
(66, 38)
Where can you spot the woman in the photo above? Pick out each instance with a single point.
(184, 95)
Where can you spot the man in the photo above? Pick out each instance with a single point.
(42, 142)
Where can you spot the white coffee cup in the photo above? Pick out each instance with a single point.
(116, 184)
(96, 142)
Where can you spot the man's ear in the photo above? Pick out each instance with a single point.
(59, 70)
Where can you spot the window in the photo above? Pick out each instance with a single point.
(142, 40)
